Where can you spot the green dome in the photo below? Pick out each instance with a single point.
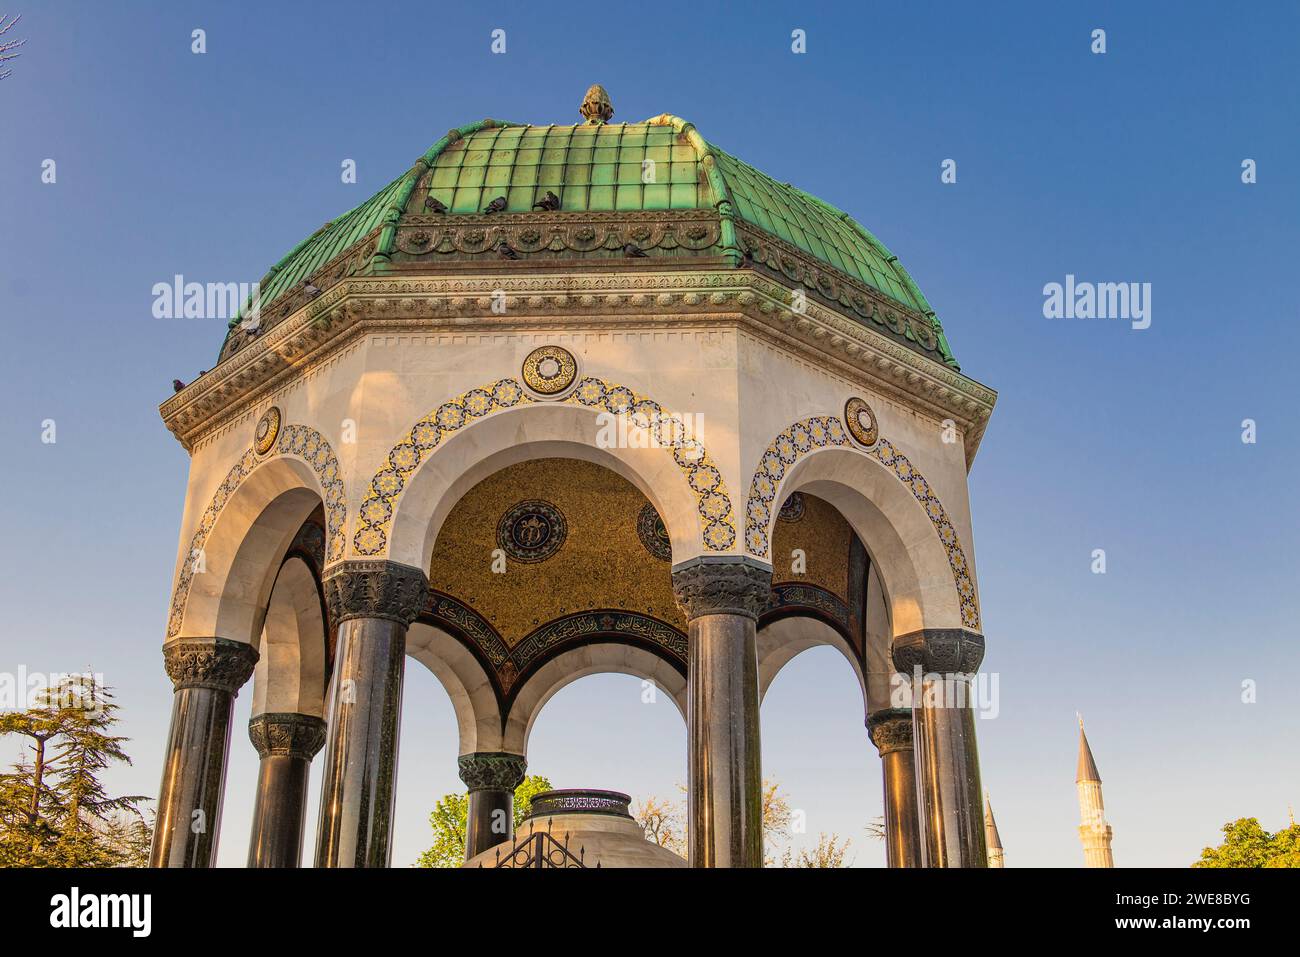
(602, 170)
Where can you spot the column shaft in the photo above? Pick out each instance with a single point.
(360, 772)
(722, 599)
(725, 797)
(891, 732)
(490, 820)
(373, 602)
(491, 777)
(948, 776)
(206, 673)
(286, 744)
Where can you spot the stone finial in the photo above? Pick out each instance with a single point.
(939, 650)
(375, 589)
(492, 770)
(216, 663)
(890, 730)
(294, 735)
(596, 107)
(721, 587)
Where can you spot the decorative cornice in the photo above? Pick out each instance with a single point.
(375, 589)
(216, 663)
(890, 730)
(709, 586)
(492, 770)
(868, 358)
(287, 734)
(939, 651)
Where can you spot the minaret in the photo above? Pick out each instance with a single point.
(991, 837)
(1094, 832)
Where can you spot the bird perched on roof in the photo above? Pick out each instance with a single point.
(633, 251)
(435, 204)
(496, 206)
(550, 202)
(177, 385)
(505, 252)
(311, 291)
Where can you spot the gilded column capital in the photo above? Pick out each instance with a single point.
(216, 663)
(375, 589)
(492, 770)
(722, 586)
(287, 733)
(890, 730)
(939, 651)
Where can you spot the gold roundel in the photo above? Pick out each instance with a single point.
(861, 422)
(550, 370)
(267, 431)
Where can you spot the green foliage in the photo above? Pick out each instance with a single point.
(54, 810)
(451, 814)
(1247, 844)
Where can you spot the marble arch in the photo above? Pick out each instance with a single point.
(486, 429)
(890, 506)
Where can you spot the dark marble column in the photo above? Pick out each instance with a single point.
(941, 664)
(491, 777)
(373, 602)
(206, 673)
(891, 733)
(722, 599)
(286, 743)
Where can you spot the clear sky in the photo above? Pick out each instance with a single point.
(1121, 167)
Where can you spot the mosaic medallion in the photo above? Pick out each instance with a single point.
(793, 508)
(266, 431)
(550, 370)
(532, 531)
(861, 422)
(653, 534)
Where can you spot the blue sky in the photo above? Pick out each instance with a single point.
(1114, 168)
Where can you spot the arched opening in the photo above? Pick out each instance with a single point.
(616, 732)
(816, 750)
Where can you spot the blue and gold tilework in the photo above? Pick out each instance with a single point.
(374, 520)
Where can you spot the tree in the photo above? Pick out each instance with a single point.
(7, 46)
(450, 817)
(1247, 844)
(828, 853)
(54, 810)
(663, 822)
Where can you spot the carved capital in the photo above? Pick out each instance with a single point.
(939, 651)
(216, 663)
(286, 733)
(376, 589)
(890, 730)
(492, 770)
(705, 586)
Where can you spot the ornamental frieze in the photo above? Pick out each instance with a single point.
(426, 235)
(607, 300)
